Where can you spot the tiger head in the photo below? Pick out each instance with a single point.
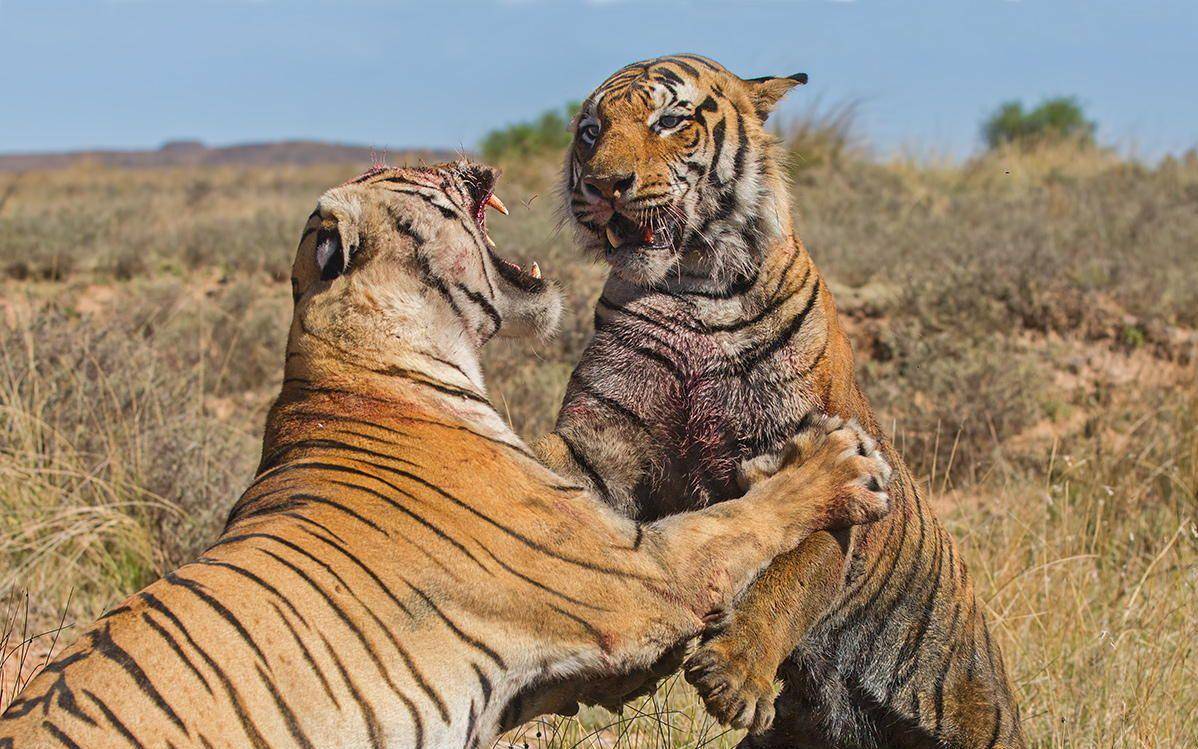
(671, 171)
(403, 254)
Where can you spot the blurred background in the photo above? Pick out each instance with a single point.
(1003, 195)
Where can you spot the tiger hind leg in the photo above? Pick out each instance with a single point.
(960, 703)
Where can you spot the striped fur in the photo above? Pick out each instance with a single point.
(402, 572)
(715, 343)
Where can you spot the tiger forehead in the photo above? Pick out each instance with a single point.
(667, 81)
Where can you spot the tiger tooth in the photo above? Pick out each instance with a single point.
(497, 204)
(534, 270)
(613, 237)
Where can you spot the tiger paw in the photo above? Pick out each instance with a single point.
(839, 453)
(736, 689)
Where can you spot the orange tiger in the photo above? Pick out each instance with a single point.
(715, 339)
(403, 572)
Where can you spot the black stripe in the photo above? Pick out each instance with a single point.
(685, 67)
(486, 306)
(421, 682)
(254, 578)
(600, 640)
(484, 683)
(197, 589)
(306, 499)
(309, 521)
(351, 626)
(718, 133)
(848, 608)
(473, 642)
(776, 303)
(379, 495)
(104, 644)
(247, 724)
(446, 363)
(442, 387)
(585, 465)
(438, 284)
(507, 530)
(997, 728)
(174, 645)
(58, 735)
(365, 569)
(907, 661)
(308, 658)
(752, 358)
(275, 457)
(113, 720)
(616, 406)
(540, 585)
(901, 593)
(666, 326)
(122, 609)
(293, 726)
(695, 58)
(373, 729)
(432, 422)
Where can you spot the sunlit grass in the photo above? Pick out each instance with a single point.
(1024, 321)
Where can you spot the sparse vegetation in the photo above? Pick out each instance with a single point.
(1053, 120)
(1024, 321)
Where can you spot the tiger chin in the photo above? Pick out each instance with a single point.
(715, 339)
(403, 572)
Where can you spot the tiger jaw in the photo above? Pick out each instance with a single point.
(626, 234)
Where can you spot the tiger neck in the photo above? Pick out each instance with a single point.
(422, 376)
(729, 251)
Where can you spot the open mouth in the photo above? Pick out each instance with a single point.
(481, 185)
(624, 234)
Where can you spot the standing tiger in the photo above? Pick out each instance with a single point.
(715, 338)
(402, 572)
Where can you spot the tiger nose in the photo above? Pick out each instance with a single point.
(611, 187)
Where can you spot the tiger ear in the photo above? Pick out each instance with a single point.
(767, 91)
(337, 239)
(331, 257)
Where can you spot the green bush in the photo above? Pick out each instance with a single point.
(1058, 119)
(548, 132)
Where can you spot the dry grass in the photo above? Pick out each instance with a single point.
(1024, 321)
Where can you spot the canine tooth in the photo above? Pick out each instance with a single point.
(613, 237)
(497, 204)
(534, 270)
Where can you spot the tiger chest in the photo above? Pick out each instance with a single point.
(725, 417)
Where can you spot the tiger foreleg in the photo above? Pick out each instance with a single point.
(824, 481)
(734, 670)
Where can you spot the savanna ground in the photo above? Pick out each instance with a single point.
(1024, 322)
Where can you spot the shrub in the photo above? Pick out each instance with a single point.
(820, 137)
(549, 132)
(1054, 120)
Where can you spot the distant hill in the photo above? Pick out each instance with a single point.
(196, 153)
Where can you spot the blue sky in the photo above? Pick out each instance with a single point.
(133, 73)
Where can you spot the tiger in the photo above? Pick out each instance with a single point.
(715, 337)
(402, 571)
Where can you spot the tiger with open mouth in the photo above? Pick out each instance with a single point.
(402, 571)
(715, 338)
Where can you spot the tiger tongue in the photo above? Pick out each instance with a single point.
(647, 235)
